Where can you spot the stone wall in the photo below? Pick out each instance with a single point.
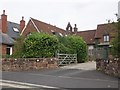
(20, 64)
(110, 66)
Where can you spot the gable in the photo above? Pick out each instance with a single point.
(28, 29)
(88, 36)
(38, 26)
(106, 29)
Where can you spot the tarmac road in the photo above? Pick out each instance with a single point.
(63, 78)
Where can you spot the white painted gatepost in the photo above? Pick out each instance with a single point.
(65, 59)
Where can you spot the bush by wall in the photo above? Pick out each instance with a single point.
(40, 45)
(73, 45)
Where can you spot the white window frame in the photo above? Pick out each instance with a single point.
(11, 50)
(106, 38)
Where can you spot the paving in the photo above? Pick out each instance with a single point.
(82, 66)
(73, 76)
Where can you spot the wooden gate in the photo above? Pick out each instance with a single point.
(65, 59)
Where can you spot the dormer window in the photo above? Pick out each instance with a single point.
(15, 29)
(61, 34)
(53, 32)
(106, 38)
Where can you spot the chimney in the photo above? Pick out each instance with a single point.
(75, 29)
(69, 28)
(22, 24)
(4, 22)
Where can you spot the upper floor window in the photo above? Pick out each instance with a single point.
(106, 38)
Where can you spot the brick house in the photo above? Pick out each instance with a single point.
(9, 31)
(35, 25)
(89, 37)
(104, 35)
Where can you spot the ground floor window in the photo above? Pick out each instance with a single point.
(90, 50)
(9, 50)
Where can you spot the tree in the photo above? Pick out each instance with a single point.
(73, 45)
(40, 45)
(19, 47)
(116, 42)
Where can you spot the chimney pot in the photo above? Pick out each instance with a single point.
(22, 18)
(3, 11)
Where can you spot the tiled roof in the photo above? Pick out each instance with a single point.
(43, 27)
(88, 36)
(13, 30)
(104, 29)
(5, 39)
(12, 33)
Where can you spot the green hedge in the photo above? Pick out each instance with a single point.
(73, 45)
(41, 45)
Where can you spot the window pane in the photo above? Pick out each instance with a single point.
(8, 51)
(107, 38)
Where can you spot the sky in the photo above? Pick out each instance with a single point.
(87, 14)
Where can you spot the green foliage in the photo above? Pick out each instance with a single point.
(116, 42)
(19, 47)
(40, 45)
(73, 45)
(44, 45)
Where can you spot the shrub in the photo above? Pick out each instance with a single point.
(19, 48)
(40, 45)
(73, 45)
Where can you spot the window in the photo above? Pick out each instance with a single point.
(53, 32)
(9, 50)
(106, 38)
(90, 50)
(61, 34)
(15, 29)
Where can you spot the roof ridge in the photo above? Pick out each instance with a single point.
(34, 25)
(46, 23)
(13, 22)
(107, 23)
(87, 30)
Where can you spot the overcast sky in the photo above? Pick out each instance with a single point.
(85, 13)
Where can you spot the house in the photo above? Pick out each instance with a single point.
(104, 35)
(89, 37)
(35, 25)
(9, 31)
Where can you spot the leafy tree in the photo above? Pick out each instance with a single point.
(40, 45)
(19, 47)
(116, 42)
(73, 44)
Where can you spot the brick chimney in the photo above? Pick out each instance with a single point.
(4, 22)
(69, 28)
(75, 29)
(22, 24)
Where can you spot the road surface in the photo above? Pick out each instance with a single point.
(59, 78)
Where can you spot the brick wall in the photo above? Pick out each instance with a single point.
(110, 66)
(28, 64)
(4, 49)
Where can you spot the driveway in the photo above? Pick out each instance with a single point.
(82, 66)
(73, 76)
